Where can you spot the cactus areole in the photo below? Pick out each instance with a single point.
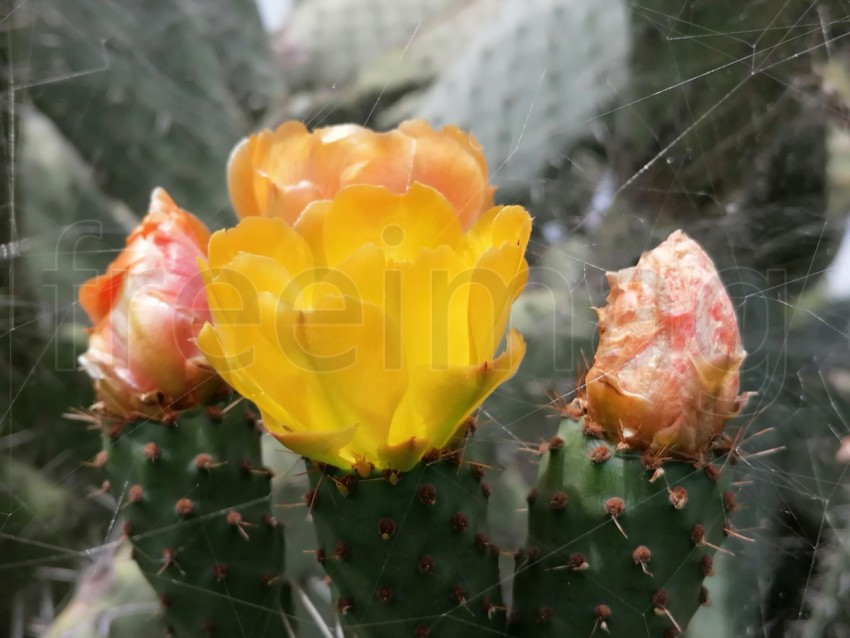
(665, 375)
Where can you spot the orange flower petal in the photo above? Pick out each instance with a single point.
(280, 173)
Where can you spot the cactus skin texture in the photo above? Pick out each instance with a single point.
(326, 42)
(196, 500)
(613, 549)
(408, 553)
(524, 80)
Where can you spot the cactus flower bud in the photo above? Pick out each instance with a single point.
(665, 375)
(279, 173)
(843, 453)
(147, 310)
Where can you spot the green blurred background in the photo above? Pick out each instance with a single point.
(613, 121)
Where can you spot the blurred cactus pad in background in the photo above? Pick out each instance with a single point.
(525, 495)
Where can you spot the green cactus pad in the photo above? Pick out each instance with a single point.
(196, 500)
(618, 545)
(521, 77)
(408, 553)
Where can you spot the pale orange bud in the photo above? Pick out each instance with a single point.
(665, 375)
(147, 310)
(843, 453)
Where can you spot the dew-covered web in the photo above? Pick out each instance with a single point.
(613, 122)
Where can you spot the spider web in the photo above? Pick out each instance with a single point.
(729, 122)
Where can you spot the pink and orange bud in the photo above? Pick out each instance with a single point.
(147, 310)
(280, 173)
(666, 373)
(843, 453)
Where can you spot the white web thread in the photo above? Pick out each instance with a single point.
(506, 427)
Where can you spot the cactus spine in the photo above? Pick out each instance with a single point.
(408, 553)
(196, 499)
(618, 544)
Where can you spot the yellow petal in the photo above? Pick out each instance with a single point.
(433, 305)
(439, 401)
(270, 276)
(232, 298)
(402, 456)
(511, 225)
(366, 275)
(236, 371)
(248, 191)
(311, 226)
(234, 290)
(401, 225)
(499, 225)
(319, 445)
(351, 353)
(427, 297)
(497, 280)
(254, 364)
(261, 236)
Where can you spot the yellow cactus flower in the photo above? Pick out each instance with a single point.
(367, 332)
(279, 173)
